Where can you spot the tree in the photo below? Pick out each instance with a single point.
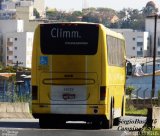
(36, 13)
(131, 18)
(149, 9)
(91, 17)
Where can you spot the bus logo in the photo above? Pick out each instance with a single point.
(61, 33)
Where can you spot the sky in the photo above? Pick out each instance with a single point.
(68, 5)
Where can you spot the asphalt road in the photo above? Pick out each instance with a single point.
(30, 127)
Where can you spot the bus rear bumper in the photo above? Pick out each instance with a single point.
(70, 117)
(69, 109)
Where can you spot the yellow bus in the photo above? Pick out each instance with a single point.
(78, 74)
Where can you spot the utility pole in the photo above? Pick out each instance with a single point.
(154, 54)
(17, 64)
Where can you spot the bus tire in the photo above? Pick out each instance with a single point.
(110, 121)
(104, 123)
(117, 120)
(123, 107)
(43, 122)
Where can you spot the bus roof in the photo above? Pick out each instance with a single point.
(112, 33)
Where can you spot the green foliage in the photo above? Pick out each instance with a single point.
(149, 131)
(131, 110)
(36, 13)
(129, 90)
(13, 69)
(149, 9)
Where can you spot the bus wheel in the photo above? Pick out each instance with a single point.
(110, 121)
(116, 121)
(105, 123)
(43, 122)
(96, 124)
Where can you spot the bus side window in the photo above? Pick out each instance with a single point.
(129, 68)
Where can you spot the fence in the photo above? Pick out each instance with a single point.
(16, 92)
(143, 98)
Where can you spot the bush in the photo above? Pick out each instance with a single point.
(129, 90)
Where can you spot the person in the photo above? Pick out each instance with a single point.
(138, 70)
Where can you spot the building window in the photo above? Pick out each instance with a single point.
(15, 57)
(115, 51)
(9, 39)
(158, 53)
(139, 53)
(134, 39)
(139, 44)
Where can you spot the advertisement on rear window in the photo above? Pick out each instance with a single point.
(69, 38)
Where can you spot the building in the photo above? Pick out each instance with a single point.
(16, 35)
(8, 8)
(8, 26)
(39, 5)
(17, 26)
(19, 48)
(15, 42)
(137, 42)
(149, 27)
(8, 5)
(7, 14)
(26, 14)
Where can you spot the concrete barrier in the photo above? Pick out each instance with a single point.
(14, 110)
(153, 117)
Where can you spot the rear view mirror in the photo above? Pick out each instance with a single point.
(129, 68)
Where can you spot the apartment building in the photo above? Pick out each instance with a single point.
(8, 8)
(17, 36)
(150, 26)
(16, 43)
(137, 42)
(19, 48)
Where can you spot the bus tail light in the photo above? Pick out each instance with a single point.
(34, 92)
(102, 92)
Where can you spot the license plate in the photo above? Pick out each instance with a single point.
(69, 96)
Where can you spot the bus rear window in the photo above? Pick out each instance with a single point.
(68, 38)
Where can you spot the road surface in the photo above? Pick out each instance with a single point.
(30, 127)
